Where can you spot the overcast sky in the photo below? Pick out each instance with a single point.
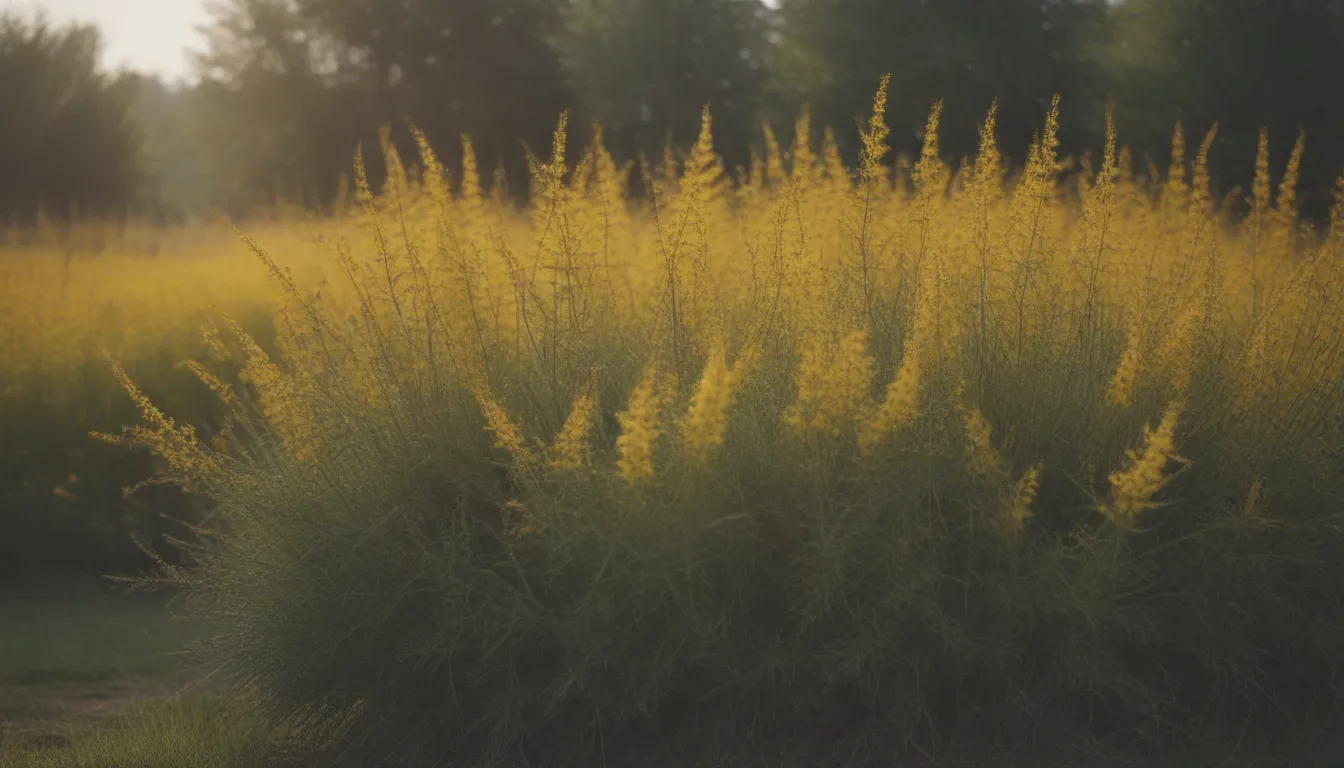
(147, 35)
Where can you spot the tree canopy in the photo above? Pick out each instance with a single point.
(67, 143)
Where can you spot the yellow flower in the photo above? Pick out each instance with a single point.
(1255, 365)
(185, 457)
(875, 138)
(898, 408)
(774, 162)
(507, 435)
(714, 393)
(1120, 392)
(1253, 497)
(212, 382)
(571, 447)
(981, 458)
(1133, 488)
(522, 521)
(1174, 356)
(832, 386)
(901, 403)
(285, 398)
(639, 428)
(1024, 494)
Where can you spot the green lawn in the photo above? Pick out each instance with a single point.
(99, 680)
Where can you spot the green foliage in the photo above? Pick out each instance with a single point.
(183, 180)
(288, 88)
(194, 732)
(271, 120)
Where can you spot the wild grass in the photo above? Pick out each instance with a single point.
(801, 461)
(97, 679)
(193, 731)
(174, 734)
(68, 298)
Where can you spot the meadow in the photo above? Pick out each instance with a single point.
(799, 464)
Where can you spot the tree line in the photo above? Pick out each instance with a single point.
(288, 88)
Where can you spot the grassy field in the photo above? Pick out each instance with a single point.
(98, 679)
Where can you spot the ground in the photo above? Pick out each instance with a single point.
(97, 680)
(81, 669)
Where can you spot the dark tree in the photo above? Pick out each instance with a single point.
(302, 83)
(645, 68)
(966, 53)
(1247, 64)
(278, 113)
(477, 67)
(69, 145)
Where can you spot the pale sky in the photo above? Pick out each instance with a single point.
(146, 35)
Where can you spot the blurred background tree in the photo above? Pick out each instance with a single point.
(966, 53)
(292, 87)
(287, 89)
(482, 68)
(643, 69)
(277, 111)
(1246, 64)
(68, 143)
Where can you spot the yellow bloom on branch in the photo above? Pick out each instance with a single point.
(1133, 488)
(1024, 494)
(571, 447)
(507, 435)
(833, 383)
(714, 393)
(640, 428)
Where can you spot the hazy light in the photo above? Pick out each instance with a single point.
(145, 35)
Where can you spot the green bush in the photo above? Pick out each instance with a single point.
(414, 563)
